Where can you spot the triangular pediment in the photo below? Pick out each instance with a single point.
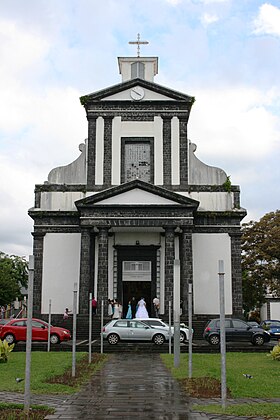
(122, 91)
(137, 193)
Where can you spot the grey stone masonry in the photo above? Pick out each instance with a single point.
(183, 124)
(236, 274)
(107, 150)
(186, 265)
(38, 248)
(87, 255)
(91, 152)
(102, 280)
(166, 150)
(169, 265)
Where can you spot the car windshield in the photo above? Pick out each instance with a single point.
(273, 323)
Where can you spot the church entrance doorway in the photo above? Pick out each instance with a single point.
(136, 274)
(137, 289)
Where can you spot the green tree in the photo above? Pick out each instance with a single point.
(13, 275)
(261, 259)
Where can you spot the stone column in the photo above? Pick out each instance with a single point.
(91, 152)
(236, 274)
(166, 149)
(183, 133)
(169, 265)
(86, 269)
(108, 150)
(186, 266)
(102, 281)
(38, 248)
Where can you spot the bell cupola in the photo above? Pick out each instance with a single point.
(138, 67)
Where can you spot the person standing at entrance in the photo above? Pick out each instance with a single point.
(129, 312)
(142, 311)
(94, 305)
(156, 306)
(133, 306)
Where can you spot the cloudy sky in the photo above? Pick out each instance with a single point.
(226, 53)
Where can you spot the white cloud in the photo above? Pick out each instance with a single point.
(174, 2)
(207, 19)
(235, 122)
(213, 1)
(268, 20)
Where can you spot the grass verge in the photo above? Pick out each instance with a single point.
(265, 410)
(205, 383)
(9, 411)
(44, 368)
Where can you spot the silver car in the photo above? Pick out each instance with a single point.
(133, 330)
(158, 323)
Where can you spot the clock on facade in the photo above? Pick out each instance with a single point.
(137, 93)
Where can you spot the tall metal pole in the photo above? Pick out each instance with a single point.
(29, 335)
(90, 328)
(169, 323)
(176, 312)
(74, 330)
(102, 321)
(49, 325)
(222, 333)
(190, 328)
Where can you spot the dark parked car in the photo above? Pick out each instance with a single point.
(236, 330)
(272, 326)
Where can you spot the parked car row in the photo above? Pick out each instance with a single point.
(15, 330)
(147, 329)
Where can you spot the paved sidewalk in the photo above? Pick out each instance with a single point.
(128, 386)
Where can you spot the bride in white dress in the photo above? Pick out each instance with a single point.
(141, 309)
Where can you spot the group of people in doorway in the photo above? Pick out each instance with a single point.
(134, 309)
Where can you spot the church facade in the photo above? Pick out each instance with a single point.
(136, 199)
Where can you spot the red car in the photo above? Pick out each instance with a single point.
(15, 330)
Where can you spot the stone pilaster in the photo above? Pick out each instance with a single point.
(169, 265)
(186, 266)
(183, 133)
(102, 282)
(166, 149)
(38, 248)
(91, 152)
(108, 150)
(236, 274)
(86, 269)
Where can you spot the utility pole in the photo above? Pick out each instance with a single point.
(74, 329)
(190, 294)
(29, 335)
(222, 333)
(176, 312)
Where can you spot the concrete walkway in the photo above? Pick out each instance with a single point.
(128, 386)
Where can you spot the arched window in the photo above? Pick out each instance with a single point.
(137, 70)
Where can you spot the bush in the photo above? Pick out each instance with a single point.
(5, 349)
(275, 352)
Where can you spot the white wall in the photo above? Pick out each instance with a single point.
(274, 310)
(61, 269)
(208, 249)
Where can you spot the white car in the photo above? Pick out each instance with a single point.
(158, 323)
(133, 330)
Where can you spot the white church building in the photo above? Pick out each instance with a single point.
(137, 198)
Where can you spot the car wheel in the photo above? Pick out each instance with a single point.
(182, 337)
(113, 339)
(54, 339)
(258, 340)
(158, 339)
(214, 340)
(10, 338)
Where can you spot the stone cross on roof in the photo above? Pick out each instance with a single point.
(138, 43)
